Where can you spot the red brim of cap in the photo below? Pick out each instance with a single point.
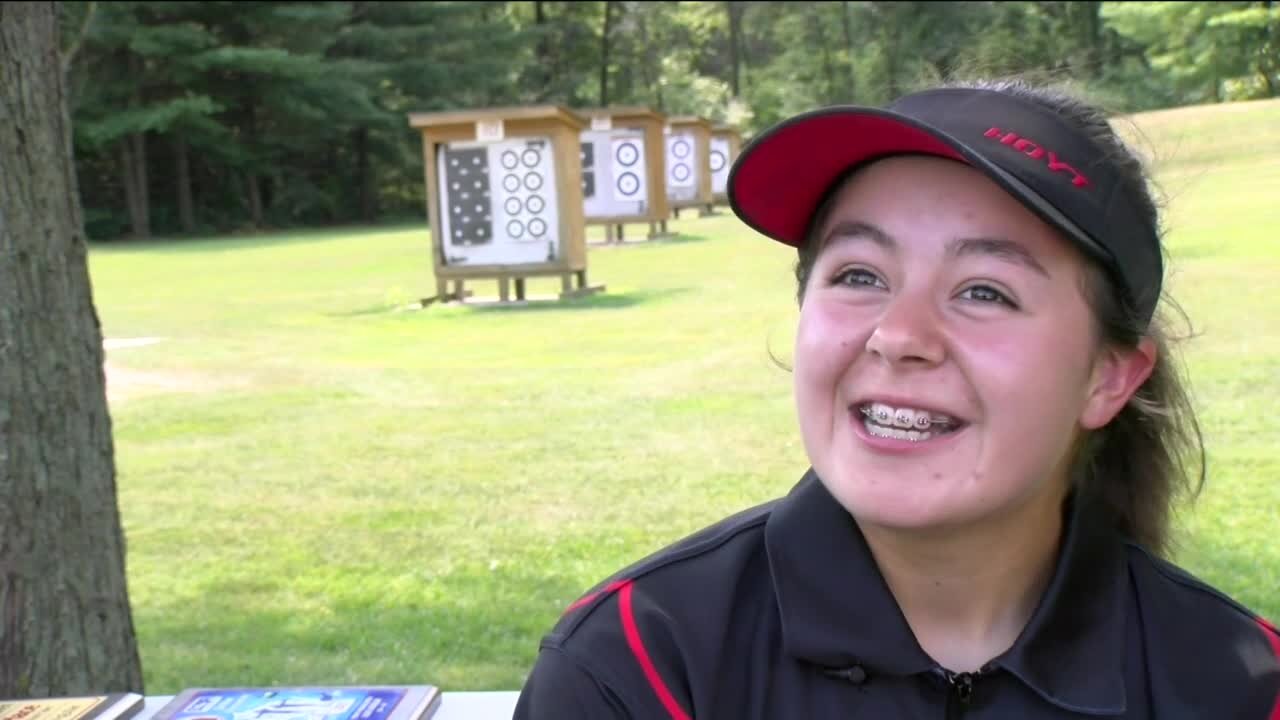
(780, 178)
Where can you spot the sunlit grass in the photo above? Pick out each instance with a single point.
(319, 486)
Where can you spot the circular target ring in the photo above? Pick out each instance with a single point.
(681, 172)
(530, 157)
(515, 229)
(509, 160)
(533, 181)
(628, 183)
(681, 149)
(627, 154)
(535, 204)
(537, 227)
(512, 206)
(718, 161)
(510, 183)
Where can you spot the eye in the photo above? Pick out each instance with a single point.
(858, 277)
(987, 294)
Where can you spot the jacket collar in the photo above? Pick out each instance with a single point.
(1071, 653)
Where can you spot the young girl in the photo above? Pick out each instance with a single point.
(996, 435)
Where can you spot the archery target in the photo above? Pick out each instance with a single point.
(614, 169)
(721, 161)
(498, 202)
(682, 166)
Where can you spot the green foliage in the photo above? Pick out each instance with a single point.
(287, 114)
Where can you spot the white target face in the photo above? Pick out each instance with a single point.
(682, 166)
(498, 202)
(721, 164)
(613, 173)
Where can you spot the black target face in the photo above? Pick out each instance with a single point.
(587, 151)
(537, 227)
(535, 204)
(680, 149)
(718, 161)
(465, 197)
(627, 154)
(681, 172)
(515, 229)
(628, 183)
(530, 157)
(510, 183)
(509, 160)
(512, 206)
(533, 181)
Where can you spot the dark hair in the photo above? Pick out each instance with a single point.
(1141, 463)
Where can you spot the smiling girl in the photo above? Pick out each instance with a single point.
(996, 434)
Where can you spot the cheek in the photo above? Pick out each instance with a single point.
(1035, 383)
(827, 343)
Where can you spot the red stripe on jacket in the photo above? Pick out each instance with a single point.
(642, 656)
(1274, 636)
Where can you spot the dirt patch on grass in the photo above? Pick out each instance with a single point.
(124, 383)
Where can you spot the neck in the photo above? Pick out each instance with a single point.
(967, 593)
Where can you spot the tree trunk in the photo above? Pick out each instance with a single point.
(65, 623)
(604, 55)
(652, 75)
(133, 174)
(851, 87)
(364, 177)
(735, 47)
(542, 52)
(182, 162)
(820, 37)
(136, 167)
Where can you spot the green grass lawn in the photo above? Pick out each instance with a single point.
(320, 487)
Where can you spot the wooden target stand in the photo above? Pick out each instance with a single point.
(623, 183)
(504, 200)
(725, 144)
(688, 150)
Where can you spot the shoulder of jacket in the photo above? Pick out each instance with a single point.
(1179, 589)
(739, 534)
(1210, 652)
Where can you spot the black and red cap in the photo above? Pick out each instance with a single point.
(782, 176)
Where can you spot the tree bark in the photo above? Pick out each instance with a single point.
(65, 623)
(604, 54)
(186, 208)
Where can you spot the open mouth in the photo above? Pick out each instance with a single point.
(905, 423)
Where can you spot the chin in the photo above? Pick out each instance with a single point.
(903, 504)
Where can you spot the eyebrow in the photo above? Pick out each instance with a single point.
(1002, 248)
(998, 247)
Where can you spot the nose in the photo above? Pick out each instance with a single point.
(908, 333)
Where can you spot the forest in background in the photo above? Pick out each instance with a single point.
(196, 118)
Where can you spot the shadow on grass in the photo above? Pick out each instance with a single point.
(675, 239)
(599, 301)
(263, 238)
(471, 629)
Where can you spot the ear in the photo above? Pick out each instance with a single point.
(1117, 375)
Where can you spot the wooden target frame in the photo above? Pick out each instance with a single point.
(699, 159)
(724, 138)
(650, 124)
(504, 198)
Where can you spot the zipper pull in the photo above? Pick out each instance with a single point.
(962, 686)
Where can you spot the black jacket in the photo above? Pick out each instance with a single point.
(780, 612)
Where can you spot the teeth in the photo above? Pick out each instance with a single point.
(904, 418)
(896, 433)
